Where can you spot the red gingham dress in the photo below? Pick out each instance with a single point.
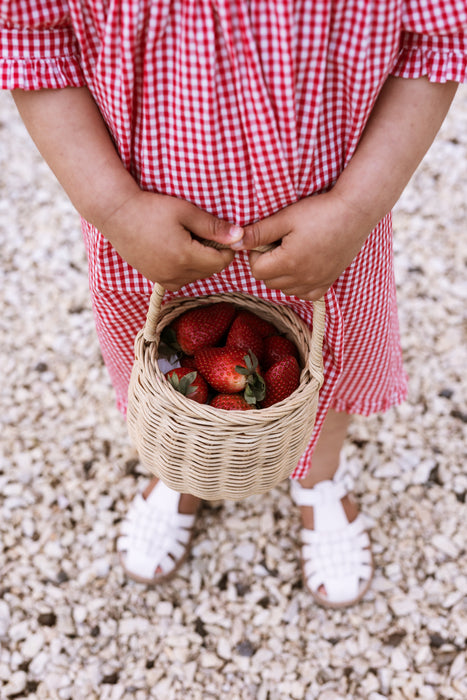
(242, 107)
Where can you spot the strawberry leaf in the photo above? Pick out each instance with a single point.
(249, 396)
(251, 361)
(186, 384)
(242, 370)
(255, 390)
(168, 346)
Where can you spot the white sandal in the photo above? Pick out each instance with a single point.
(155, 536)
(336, 554)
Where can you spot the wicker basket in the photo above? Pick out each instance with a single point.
(215, 454)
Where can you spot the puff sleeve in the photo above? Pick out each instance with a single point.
(433, 41)
(38, 48)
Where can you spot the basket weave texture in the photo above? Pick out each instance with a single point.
(208, 452)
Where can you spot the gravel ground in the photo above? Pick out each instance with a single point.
(236, 623)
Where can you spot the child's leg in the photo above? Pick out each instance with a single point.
(188, 504)
(326, 454)
(326, 458)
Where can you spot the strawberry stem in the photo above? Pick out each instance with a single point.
(255, 389)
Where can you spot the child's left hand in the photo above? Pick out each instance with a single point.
(319, 237)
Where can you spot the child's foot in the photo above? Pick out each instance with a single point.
(157, 533)
(336, 554)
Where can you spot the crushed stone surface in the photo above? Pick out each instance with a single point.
(236, 622)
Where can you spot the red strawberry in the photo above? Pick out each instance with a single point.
(231, 402)
(188, 361)
(260, 325)
(276, 347)
(230, 371)
(243, 336)
(281, 380)
(203, 326)
(189, 383)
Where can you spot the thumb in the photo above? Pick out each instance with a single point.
(205, 225)
(264, 232)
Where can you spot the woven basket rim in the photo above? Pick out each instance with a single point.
(310, 379)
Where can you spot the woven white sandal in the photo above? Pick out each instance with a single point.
(335, 555)
(155, 536)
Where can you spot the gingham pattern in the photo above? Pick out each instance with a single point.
(37, 46)
(242, 108)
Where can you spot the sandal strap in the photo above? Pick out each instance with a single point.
(323, 492)
(154, 534)
(325, 498)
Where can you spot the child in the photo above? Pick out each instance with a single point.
(221, 118)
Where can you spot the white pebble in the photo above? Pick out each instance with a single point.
(457, 669)
(403, 606)
(4, 617)
(79, 614)
(16, 684)
(38, 664)
(133, 625)
(445, 545)
(32, 645)
(101, 567)
(330, 695)
(164, 608)
(224, 649)
(399, 661)
(245, 551)
(19, 631)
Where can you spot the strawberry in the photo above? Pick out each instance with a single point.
(188, 361)
(281, 380)
(202, 326)
(168, 346)
(230, 371)
(242, 335)
(276, 347)
(189, 383)
(260, 325)
(231, 402)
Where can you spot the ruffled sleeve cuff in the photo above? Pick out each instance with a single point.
(35, 59)
(440, 58)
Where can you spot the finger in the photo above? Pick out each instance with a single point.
(209, 227)
(286, 283)
(270, 265)
(301, 292)
(272, 281)
(264, 232)
(207, 260)
(313, 295)
(202, 264)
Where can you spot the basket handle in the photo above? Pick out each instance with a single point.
(155, 303)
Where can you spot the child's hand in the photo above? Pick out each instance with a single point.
(152, 232)
(319, 237)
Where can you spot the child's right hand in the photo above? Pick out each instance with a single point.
(152, 232)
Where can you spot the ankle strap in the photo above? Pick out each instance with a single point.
(323, 492)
